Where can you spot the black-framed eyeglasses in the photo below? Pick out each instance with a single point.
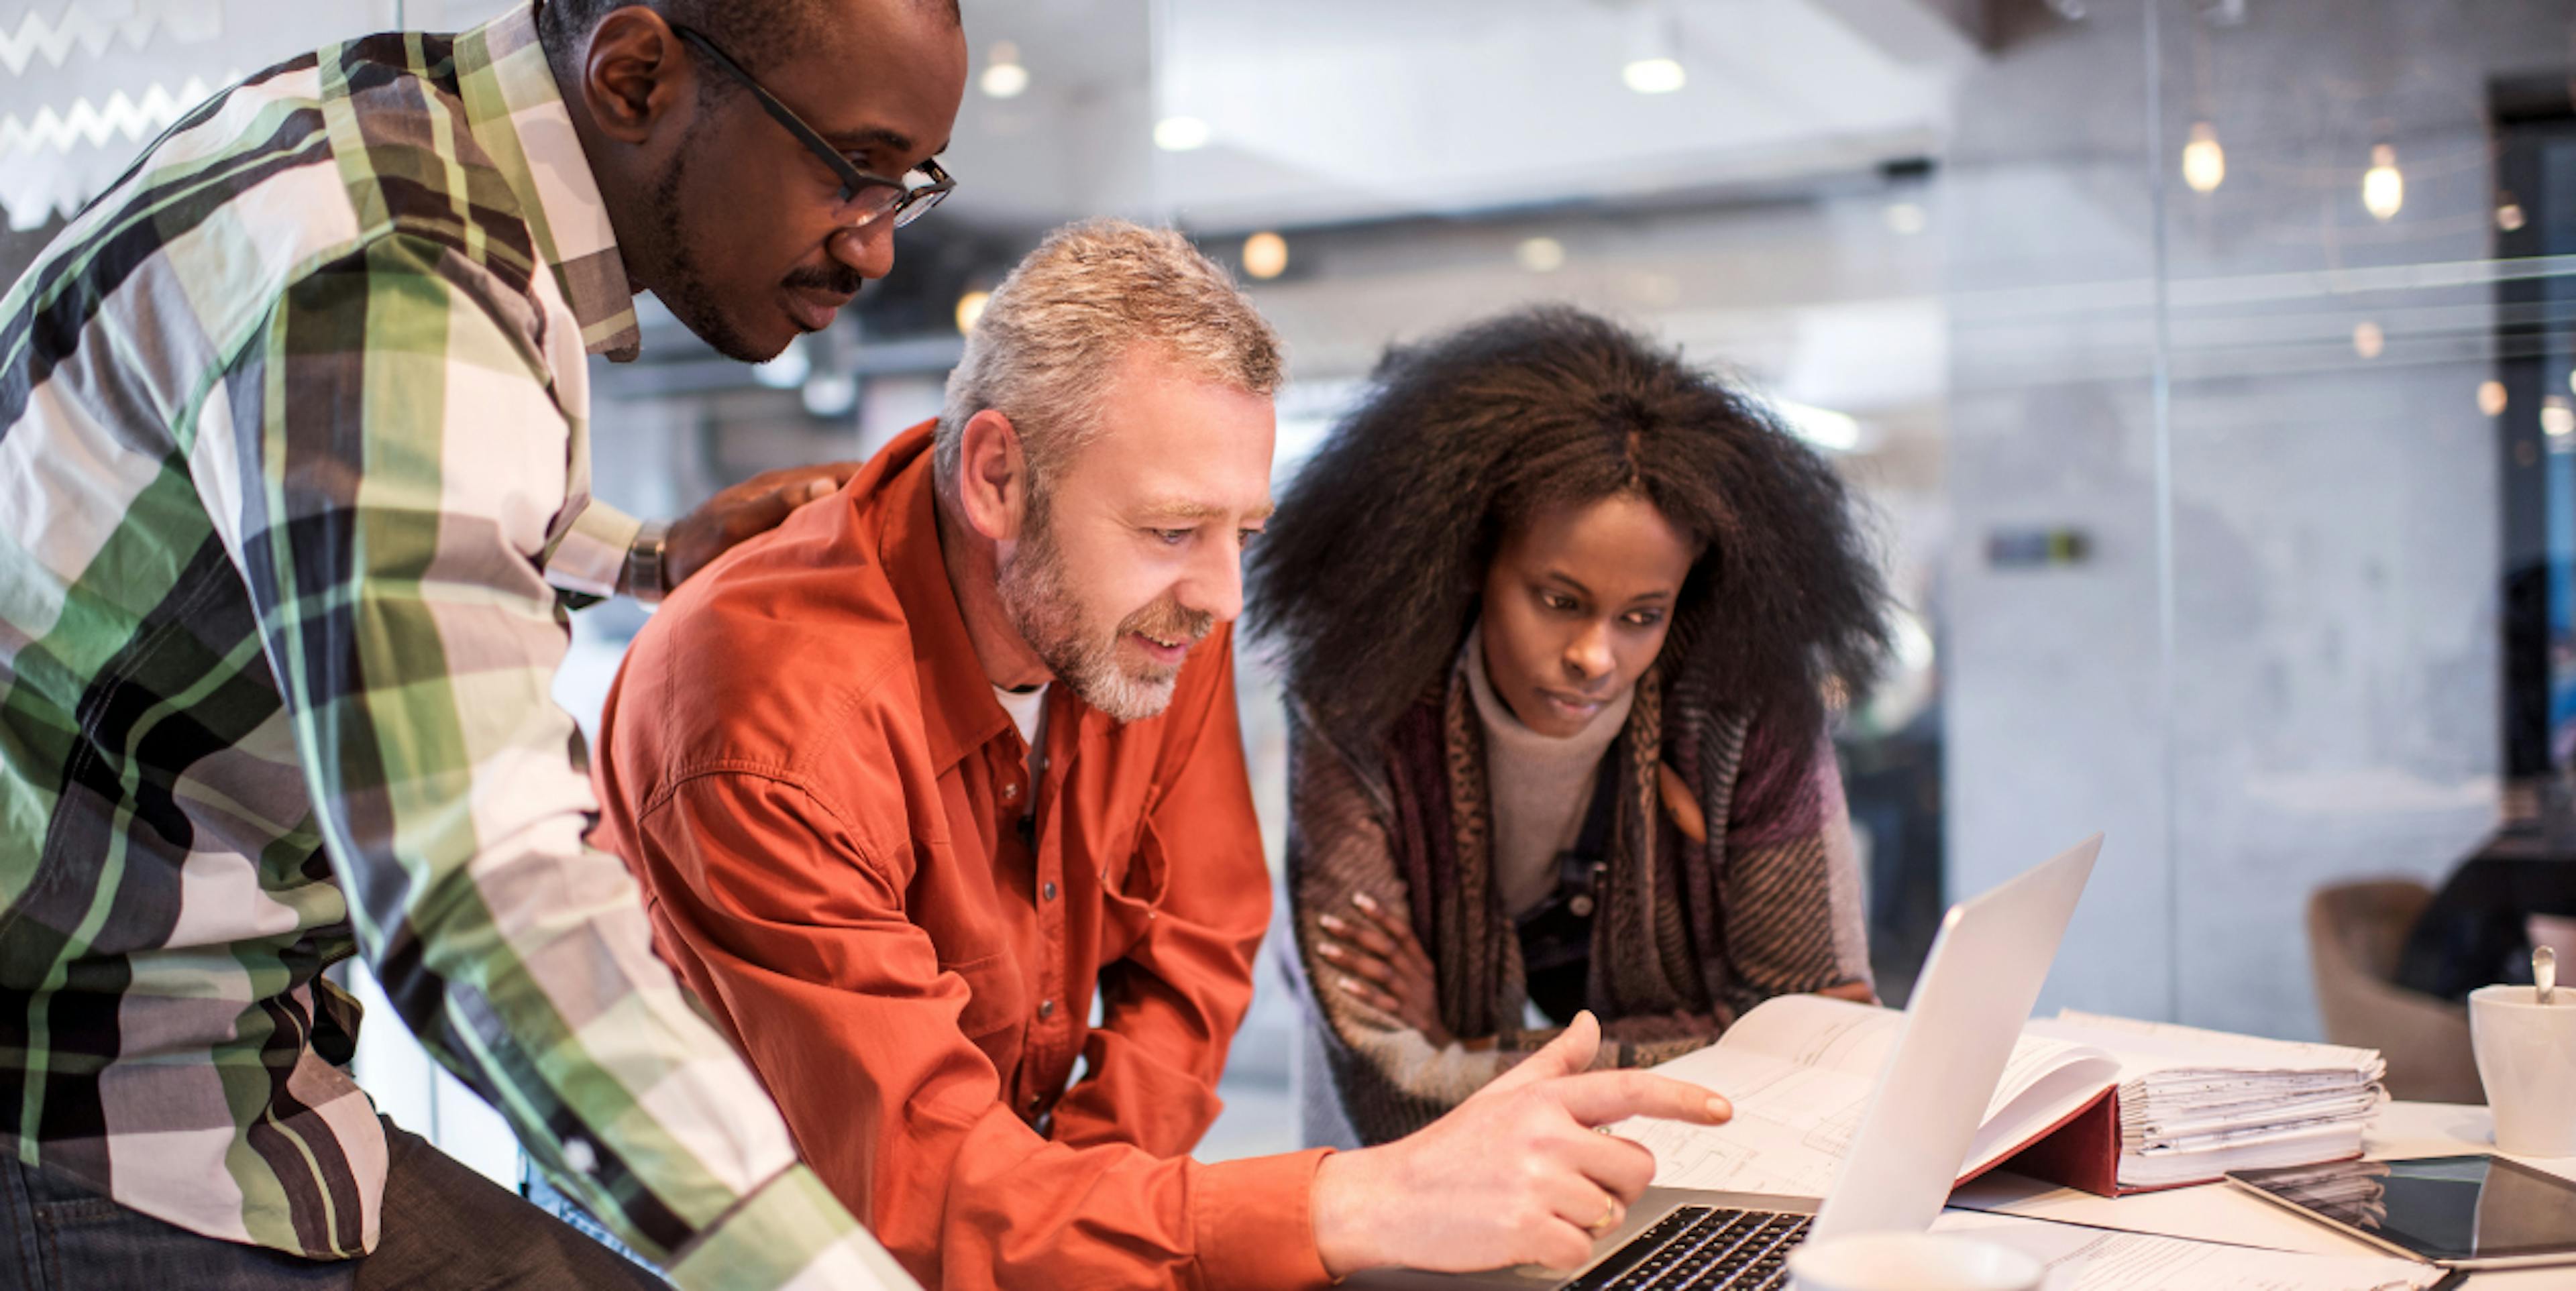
(866, 197)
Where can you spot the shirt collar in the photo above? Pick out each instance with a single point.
(518, 115)
(958, 711)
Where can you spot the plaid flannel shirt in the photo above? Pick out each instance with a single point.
(293, 485)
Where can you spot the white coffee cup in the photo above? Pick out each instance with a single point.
(2527, 1060)
(1912, 1262)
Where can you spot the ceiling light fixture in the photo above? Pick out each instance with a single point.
(1654, 75)
(2204, 163)
(971, 307)
(2368, 340)
(2491, 399)
(2509, 216)
(1181, 134)
(1823, 427)
(1655, 51)
(1004, 77)
(1540, 255)
(2557, 419)
(2383, 190)
(1265, 255)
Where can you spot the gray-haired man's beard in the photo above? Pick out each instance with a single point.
(1042, 604)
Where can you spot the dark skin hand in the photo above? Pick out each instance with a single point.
(1384, 967)
(753, 507)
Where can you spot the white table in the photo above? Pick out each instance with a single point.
(2223, 1213)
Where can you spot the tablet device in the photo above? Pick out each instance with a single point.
(2472, 1212)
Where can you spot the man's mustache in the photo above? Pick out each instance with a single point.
(839, 280)
(1167, 621)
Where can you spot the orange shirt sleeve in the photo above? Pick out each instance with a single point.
(798, 940)
(1171, 1006)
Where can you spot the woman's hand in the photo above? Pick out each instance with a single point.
(1384, 967)
(1858, 992)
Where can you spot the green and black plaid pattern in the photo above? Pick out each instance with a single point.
(293, 495)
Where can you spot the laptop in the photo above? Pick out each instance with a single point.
(1977, 988)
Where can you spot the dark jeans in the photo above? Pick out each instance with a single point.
(443, 1226)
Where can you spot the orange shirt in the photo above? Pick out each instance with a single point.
(806, 768)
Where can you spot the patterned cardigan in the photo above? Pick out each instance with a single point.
(1731, 879)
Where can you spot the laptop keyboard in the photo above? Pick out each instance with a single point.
(1704, 1248)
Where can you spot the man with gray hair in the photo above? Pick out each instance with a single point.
(912, 780)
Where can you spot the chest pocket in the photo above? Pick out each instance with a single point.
(1132, 889)
(997, 1006)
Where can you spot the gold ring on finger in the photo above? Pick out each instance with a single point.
(1609, 1216)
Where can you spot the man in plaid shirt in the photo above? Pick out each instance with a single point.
(294, 491)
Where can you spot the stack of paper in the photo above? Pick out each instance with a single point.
(2195, 1104)
(2103, 1104)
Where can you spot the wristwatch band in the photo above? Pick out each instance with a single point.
(647, 577)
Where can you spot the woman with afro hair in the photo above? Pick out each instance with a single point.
(1561, 617)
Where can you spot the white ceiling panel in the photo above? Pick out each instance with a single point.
(1329, 111)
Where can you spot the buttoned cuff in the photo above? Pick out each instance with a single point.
(590, 559)
(789, 1234)
(1254, 1222)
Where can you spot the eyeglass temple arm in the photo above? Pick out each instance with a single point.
(852, 178)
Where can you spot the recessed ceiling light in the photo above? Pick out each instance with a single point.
(1654, 75)
(1004, 77)
(1823, 427)
(1180, 134)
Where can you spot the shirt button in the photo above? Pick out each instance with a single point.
(579, 1157)
(1010, 791)
(1046, 1009)
(1047, 890)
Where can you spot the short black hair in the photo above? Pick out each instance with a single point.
(759, 34)
(1372, 572)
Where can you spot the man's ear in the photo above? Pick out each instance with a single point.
(634, 76)
(992, 476)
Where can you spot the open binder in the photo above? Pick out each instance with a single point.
(2107, 1105)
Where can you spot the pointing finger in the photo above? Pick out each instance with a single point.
(1600, 1097)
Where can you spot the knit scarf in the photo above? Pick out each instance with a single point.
(1659, 974)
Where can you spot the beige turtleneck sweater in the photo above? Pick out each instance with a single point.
(1538, 785)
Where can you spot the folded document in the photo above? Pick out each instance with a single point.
(2104, 1104)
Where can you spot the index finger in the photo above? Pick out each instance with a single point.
(1397, 930)
(1600, 1097)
